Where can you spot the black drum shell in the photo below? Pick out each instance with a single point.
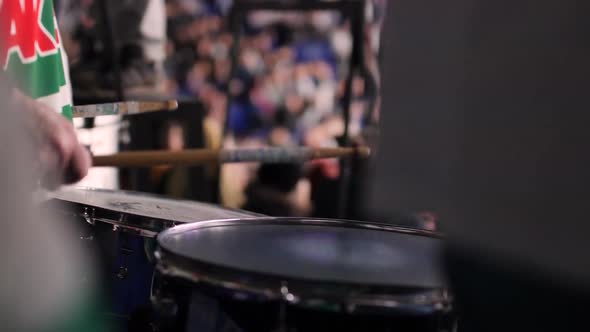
(175, 300)
(249, 300)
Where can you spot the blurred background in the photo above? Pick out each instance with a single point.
(246, 74)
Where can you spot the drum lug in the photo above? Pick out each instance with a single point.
(287, 296)
(89, 217)
(122, 221)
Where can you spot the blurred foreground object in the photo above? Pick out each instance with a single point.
(32, 57)
(38, 287)
(59, 157)
(300, 274)
(488, 130)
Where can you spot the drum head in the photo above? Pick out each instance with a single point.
(126, 208)
(317, 253)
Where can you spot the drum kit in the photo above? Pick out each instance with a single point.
(176, 265)
(189, 266)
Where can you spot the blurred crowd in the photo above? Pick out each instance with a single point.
(286, 88)
(290, 74)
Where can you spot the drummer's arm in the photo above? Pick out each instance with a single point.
(38, 284)
(61, 158)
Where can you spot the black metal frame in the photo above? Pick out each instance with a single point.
(113, 52)
(110, 44)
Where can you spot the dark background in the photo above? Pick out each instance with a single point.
(484, 122)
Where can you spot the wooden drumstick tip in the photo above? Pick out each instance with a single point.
(363, 151)
(172, 105)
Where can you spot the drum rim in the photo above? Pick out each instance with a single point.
(139, 224)
(268, 220)
(308, 293)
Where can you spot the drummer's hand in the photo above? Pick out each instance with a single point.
(60, 156)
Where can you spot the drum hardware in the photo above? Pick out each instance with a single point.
(244, 291)
(287, 296)
(282, 317)
(120, 227)
(385, 275)
(123, 226)
(438, 298)
(89, 217)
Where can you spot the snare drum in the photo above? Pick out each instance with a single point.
(290, 274)
(120, 227)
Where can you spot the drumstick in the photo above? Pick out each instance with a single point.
(127, 107)
(206, 156)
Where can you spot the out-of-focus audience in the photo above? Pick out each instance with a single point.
(288, 85)
(135, 28)
(287, 88)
